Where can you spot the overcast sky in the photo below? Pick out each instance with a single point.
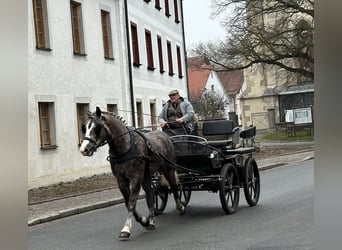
(197, 22)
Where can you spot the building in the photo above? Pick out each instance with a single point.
(205, 78)
(123, 56)
(272, 91)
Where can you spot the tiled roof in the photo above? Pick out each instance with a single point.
(231, 80)
(199, 69)
(197, 79)
(198, 62)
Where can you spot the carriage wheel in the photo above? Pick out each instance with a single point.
(251, 182)
(185, 195)
(229, 188)
(160, 199)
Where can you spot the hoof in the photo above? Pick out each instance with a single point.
(181, 210)
(151, 227)
(144, 222)
(124, 235)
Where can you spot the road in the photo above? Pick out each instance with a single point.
(282, 220)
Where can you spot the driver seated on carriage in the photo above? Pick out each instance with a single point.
(177, 115)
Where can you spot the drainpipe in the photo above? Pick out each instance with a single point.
(130, 74)
(184, 48)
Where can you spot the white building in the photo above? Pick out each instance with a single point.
(79, 58)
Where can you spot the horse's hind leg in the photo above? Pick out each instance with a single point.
(170, 176)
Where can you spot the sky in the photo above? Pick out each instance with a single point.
(198, 25)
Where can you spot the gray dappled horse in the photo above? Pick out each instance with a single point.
(133, 157)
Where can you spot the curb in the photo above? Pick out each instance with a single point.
(77, 210)
(116, 201)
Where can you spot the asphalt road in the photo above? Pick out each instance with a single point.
(282, 220)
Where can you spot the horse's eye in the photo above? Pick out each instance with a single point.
(83, 128)
(97, 129)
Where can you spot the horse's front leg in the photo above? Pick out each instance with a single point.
(124, 188)
(125, 233)
(147, 186)
(126, 230)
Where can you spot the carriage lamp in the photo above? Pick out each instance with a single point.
(212, 154)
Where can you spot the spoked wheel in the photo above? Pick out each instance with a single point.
(185, 195)
(229, 188)
(251, 182)
(160, 199)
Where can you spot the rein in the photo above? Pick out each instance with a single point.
(131, 153)
(93, 141)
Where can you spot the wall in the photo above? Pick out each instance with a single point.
(61, 77)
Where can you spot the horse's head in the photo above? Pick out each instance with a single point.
(95, 133)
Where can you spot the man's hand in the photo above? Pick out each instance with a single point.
(162, 124)
(179, 120)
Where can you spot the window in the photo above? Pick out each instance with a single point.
(47, 125)
(153, 115)
(176, 11)
(169, 57)
(140, 115)
(157, 4)
(179, 62)
(167, 8)
(106, 35)
(302, 115)
(149, 50)
(160, 55)
(77, 28)
(41, 27)
(82, 109)
(112, 108)
(135, 45)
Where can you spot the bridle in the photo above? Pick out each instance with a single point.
(110, 139)
(94, 141)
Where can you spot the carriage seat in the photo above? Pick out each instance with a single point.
(248, 136)
(221, 127)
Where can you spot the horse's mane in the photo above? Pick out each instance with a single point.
(116, 116)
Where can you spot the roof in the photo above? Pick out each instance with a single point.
(197, 79)
(294, 88)
(198, 62)
(199, 69)
(302, 87)
(231, 80)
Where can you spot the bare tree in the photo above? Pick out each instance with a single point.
(209, 105)
(269, 32)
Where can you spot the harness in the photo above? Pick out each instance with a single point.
(131, 153)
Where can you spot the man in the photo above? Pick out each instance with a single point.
(177, 115)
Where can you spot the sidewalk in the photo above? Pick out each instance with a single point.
(48, 211)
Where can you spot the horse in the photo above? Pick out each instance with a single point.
(134, 157)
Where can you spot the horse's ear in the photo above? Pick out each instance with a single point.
(98, 112)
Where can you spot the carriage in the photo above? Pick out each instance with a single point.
(221, 165)
(136, 159)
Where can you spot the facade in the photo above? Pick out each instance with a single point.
(81, 55)
(270, 91)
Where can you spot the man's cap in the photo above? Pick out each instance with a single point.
(173, 92)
